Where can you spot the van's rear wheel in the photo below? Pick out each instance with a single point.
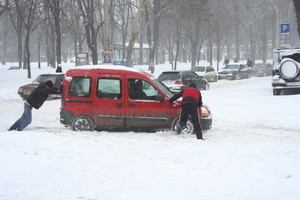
(189, 126)
(82, 123)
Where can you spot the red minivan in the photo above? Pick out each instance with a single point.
(108, 96)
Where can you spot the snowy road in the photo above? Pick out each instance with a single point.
(252, 152)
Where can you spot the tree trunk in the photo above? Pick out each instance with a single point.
(177, 50)
(26, 47)
(194, 54)
(88, 13)
(58, 34)
(141, 57)
(52, 58)
(297, 8)
(3, 48)
(154, 43)
(237, 31)
(19, 34)
(135, 31)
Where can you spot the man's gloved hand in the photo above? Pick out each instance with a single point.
(175, 103)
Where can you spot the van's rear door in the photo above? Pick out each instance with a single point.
(109, 107)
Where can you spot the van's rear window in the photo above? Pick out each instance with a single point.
(109, 88)
(80, 87)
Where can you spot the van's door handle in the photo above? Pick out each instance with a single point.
(132, 104)
(119, 105)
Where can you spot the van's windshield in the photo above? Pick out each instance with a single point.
(164, 88)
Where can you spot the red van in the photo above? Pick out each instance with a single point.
(108, 96)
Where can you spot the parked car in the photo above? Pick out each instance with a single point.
(235, 71)
(178, 80)
(208, 72)
(108, 97)
(286, 70)
(57, 79)
(261, 69)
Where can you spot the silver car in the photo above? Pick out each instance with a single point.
(208, 72)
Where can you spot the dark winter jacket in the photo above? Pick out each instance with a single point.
(40, 95)
(189, 95)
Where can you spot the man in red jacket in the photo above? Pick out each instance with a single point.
(191, 100)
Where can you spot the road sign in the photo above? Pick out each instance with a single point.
(285, 27)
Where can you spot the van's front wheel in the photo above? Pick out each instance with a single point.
(82, 123)
(189, 126)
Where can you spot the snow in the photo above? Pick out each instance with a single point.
(252, 152)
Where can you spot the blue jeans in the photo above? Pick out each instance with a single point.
(24, 120)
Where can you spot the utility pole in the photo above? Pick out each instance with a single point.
(106, 53)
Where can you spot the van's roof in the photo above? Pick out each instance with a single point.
(108, 67)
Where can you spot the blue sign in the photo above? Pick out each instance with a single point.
(285, 28)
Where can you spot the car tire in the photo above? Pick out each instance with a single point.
(82, 123)
(234, 77)
(206, 86)
(276, 92)
(189, 125)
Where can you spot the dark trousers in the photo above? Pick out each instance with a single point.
(192, 110)
(24, 120)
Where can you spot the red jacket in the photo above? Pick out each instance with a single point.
(189, 95)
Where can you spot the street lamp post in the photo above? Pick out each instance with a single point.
(39, 53)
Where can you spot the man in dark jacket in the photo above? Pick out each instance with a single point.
(35, 100)
(191, 100)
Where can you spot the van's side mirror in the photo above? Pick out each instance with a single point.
(159, 98)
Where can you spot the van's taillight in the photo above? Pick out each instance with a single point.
(179, 83)
(205, 111)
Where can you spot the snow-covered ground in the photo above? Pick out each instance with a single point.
(252, 152)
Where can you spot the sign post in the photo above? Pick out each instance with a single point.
(107, 56)
(285, 33)
(82, 58)
(285, 27)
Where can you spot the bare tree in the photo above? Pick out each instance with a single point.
(3, 7)
(195, 15)
(297, 10)
(122, 20)
(54, 6)
(88, 12)
(136, 29)
(27, 14)
(153, 37)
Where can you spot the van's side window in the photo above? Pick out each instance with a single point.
(109, 88)
(141, 90)
(80, 87)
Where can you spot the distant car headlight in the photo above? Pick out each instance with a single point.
(20, 90)
(288, 68)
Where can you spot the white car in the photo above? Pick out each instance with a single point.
(208, 72)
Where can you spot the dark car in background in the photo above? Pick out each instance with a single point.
(57, 79)
(261, 69)
(178, 80)
(234, 71)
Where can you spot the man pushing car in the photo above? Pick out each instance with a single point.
(191, 100)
